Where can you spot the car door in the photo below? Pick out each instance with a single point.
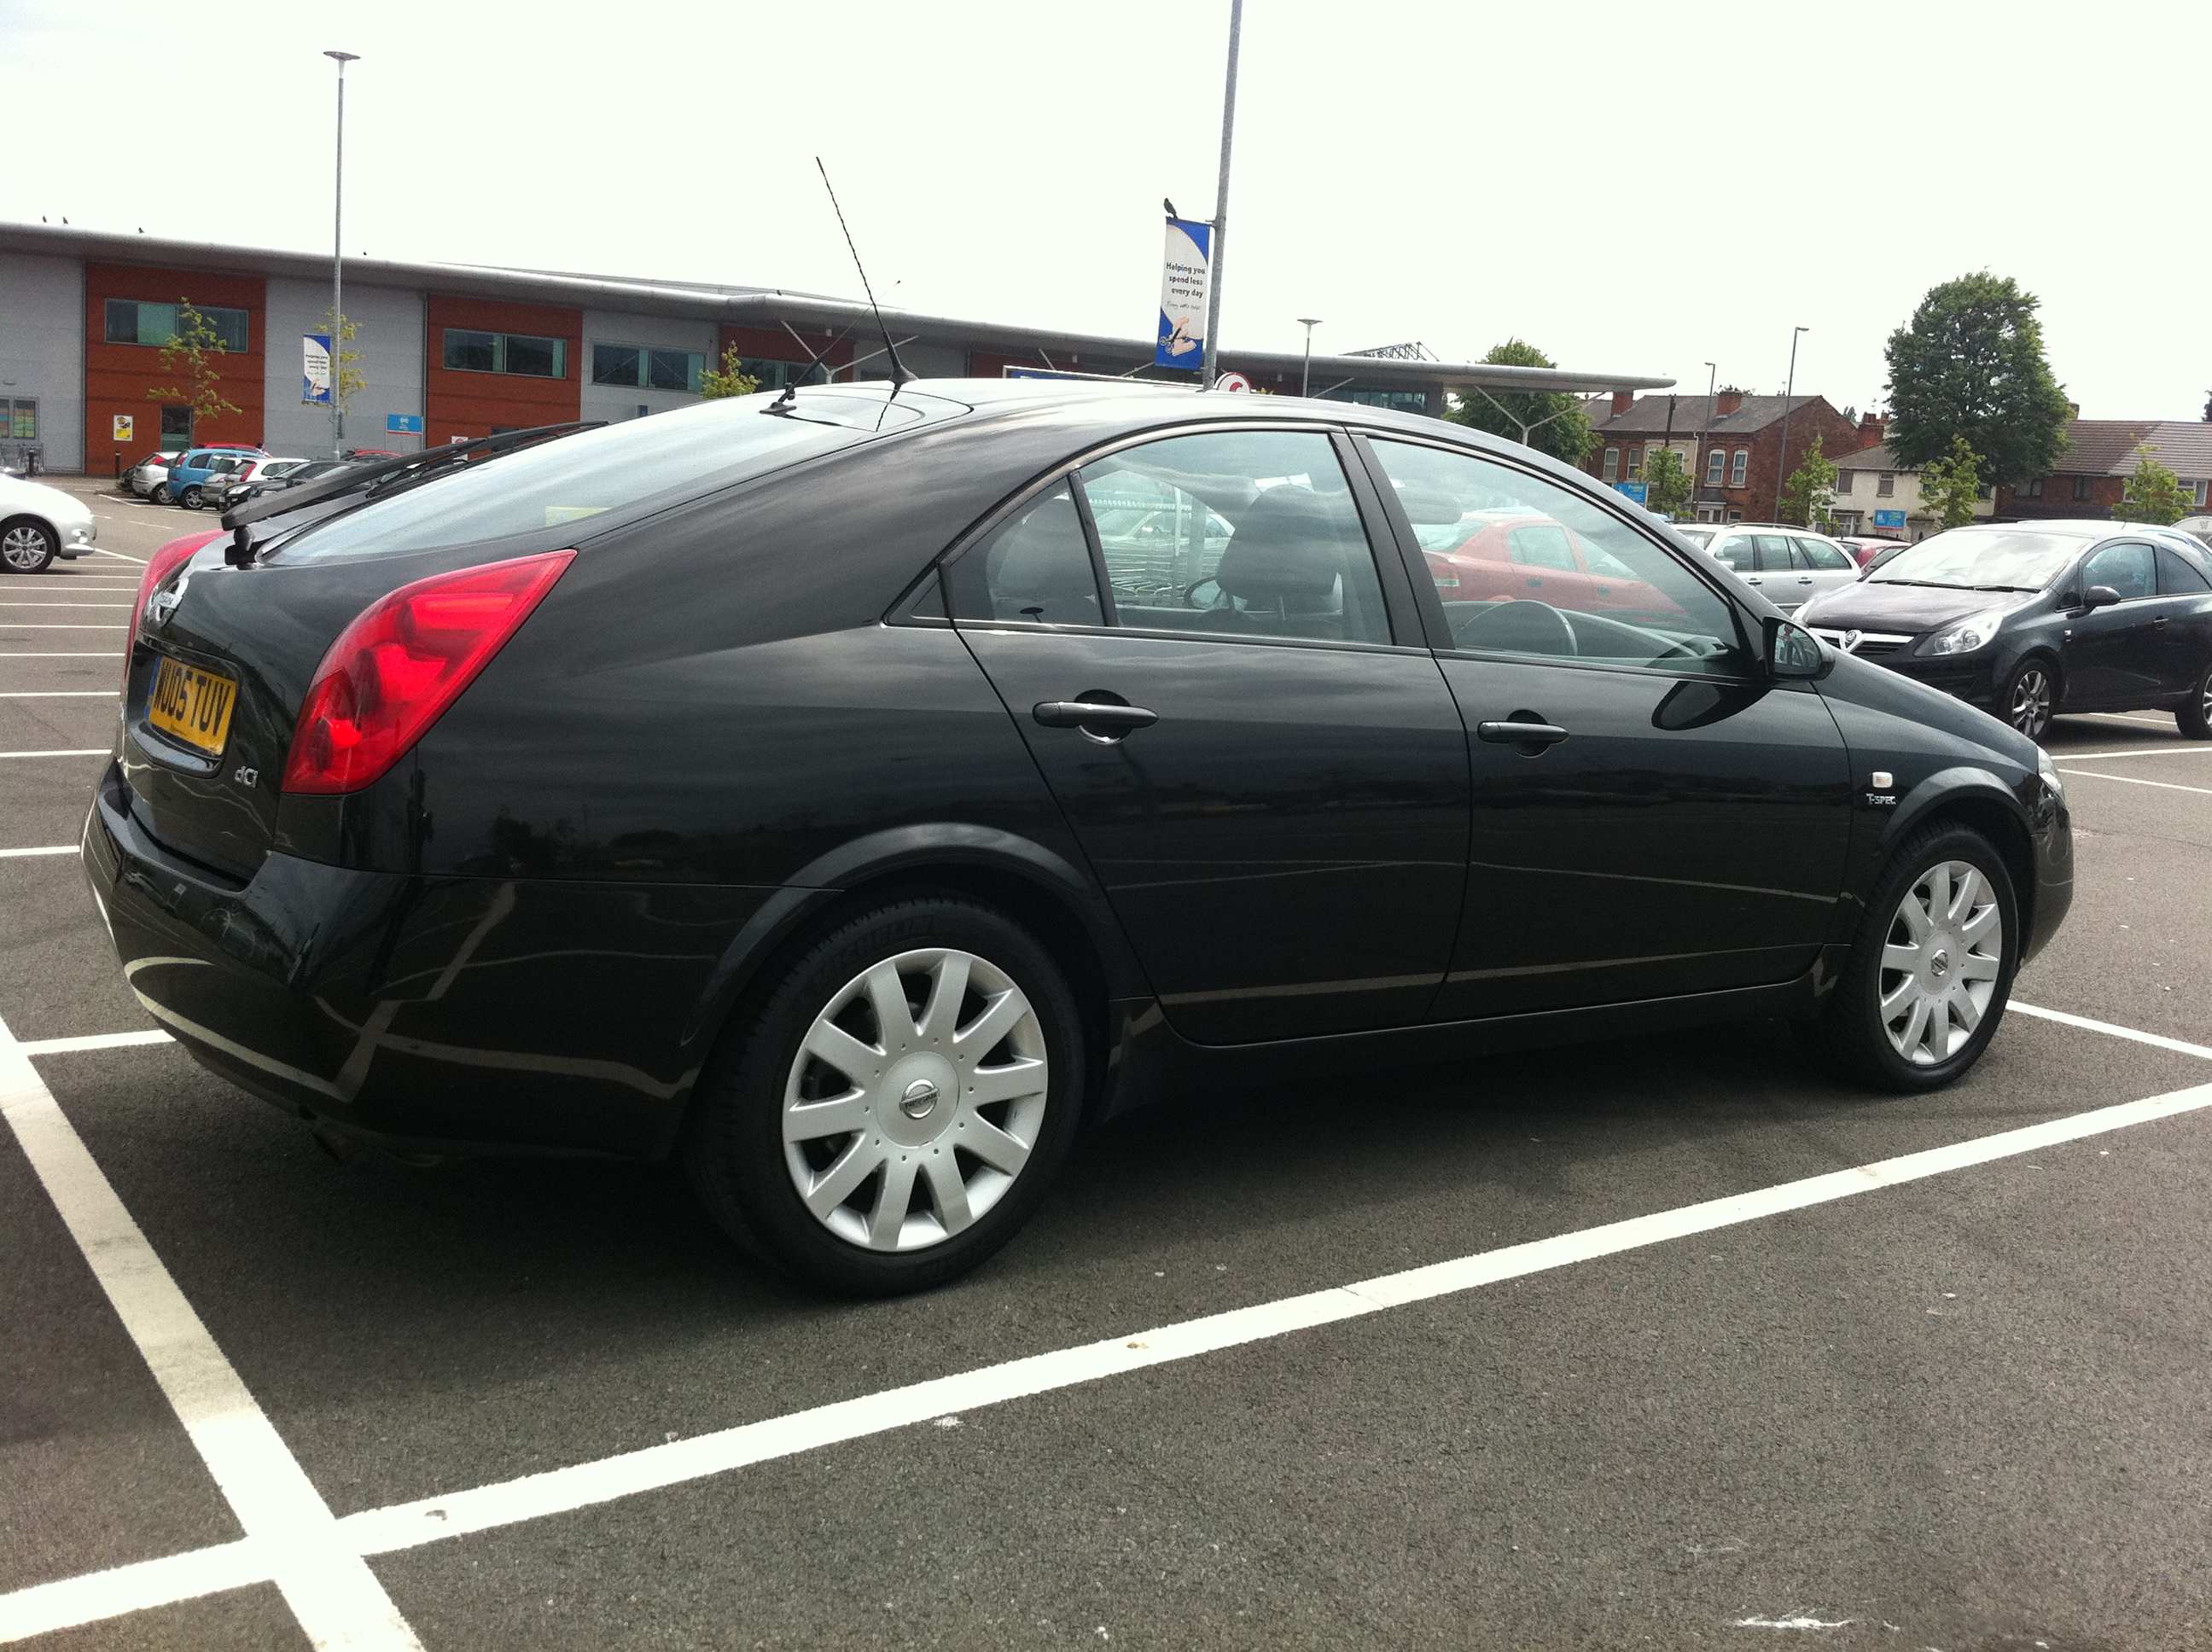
(2113, 656)
(1781, 575)
(1248, 736)
(1652, 816)
(1827, 565)
(2185, 589)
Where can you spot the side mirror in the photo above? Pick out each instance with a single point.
(1793, 652)
(2099, 596)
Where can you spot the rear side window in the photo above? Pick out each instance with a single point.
(1035, 567)
(1774, 553)
(1822, 554)
(1736, 553)
(1543, 546)
(616, 468)
(2178, 576)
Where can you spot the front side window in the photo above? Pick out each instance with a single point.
(1648, 610)
(1739, 470)
(1776, 554)
(1715, 462)
(2125, 567)
(1736, 552)
(1250, 533)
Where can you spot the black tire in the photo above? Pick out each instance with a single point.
(190, 500)
(1850, 1031)
(733, 1150)
(160, 496)
(2018, 695)
(27, 545)
(2195, 717)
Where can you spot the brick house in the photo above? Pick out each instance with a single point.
(1737, 463)
(1874, 480)
(2092, 467)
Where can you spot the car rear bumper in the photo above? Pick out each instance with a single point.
(426, 1014)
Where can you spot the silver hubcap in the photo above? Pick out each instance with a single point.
(916, 1099)
(1939, 967)
(2031, 701)
(24, 548)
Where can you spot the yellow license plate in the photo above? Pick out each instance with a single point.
(192, 705)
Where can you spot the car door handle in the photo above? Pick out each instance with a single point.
(1512, 733)
(1753, 579)
(1089, 714)
(1804, 578)
(2163, 619)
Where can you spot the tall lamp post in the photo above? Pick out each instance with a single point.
(1782, 466)
(1305, 373)
(337, 264)
(1704, 433)
(1210, 357)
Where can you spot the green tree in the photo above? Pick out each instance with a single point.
(192, 358)
(1970, 363)
(1554, 421)
(1950, 487)
(2153, 494)
(730, 379)
(1666, 482)
(1811, 490)
(347, 378)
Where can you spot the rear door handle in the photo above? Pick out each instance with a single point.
(1509, 734)
(1804, 578)
(1093, 716)
(2163, 619)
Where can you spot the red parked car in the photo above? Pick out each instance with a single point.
(1500, 555)
(1864, 550)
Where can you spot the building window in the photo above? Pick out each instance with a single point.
(19, 419)
(176, 428)
(776, 375)
(507, 352)
(1612, 472)
(1403, 401)
(1741, 468)
(1635, 464)
(1842, 482)
(1884, 485)
(131, 322)
(645, 367)
(2197, 489)
(1715, 462)
(2033, 488)
(2080, 487)
(1987, 490)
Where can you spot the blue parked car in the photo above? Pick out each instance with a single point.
(188, 476)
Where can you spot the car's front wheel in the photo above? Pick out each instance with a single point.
(2195, 714)
(893, 1106)
(1930, 969)
(27, 546)
(2031, 696)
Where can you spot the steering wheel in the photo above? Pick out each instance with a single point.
(1192, 599)
(1521, 626)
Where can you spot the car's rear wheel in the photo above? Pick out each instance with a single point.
(27, 545)
(160, 496)
(894, 1105)
(2031, 696)
(1930, 969)
(191, 498)
(2195, 715)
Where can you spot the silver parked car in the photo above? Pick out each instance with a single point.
(1788, 566)
(149, 477)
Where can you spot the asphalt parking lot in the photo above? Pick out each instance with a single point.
(1671, 1343)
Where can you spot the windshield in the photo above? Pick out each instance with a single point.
(1983, 559)
(616, 467)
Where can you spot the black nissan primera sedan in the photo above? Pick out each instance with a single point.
(853, 794)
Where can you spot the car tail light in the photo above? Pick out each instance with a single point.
(161, 564)
(393, 673)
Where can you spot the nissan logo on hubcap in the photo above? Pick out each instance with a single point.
(921, 1097)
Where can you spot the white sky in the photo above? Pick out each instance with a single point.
(1636, 188)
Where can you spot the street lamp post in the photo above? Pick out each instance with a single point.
(1704, 431)
(1210, 356)
(1782, 466)
(337, 263)
(1305, 373)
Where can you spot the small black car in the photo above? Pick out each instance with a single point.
(2030, 619)
(855, 792)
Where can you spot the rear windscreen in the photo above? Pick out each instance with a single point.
(617, 468)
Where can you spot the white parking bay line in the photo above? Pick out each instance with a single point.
(2156, 1040)
(84, 1041)
(2131, 780)
(328, 1585)
(120, 557)
(76, 653)
(60, 694)
(59, 848)
(73, 751)
(2191, 749)
(125, 606)
(72, 1601)
(22, 625)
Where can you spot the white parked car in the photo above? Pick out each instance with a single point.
(39, 523)
(1788, 566)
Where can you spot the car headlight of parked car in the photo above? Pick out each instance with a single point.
(1967, 634)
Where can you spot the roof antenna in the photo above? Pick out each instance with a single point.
(899, 374)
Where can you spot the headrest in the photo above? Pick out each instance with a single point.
(1286, 545)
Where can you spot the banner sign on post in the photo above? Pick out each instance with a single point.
(1182, 295)
(315, 368)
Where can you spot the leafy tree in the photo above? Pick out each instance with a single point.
(2153, 494)
(191, 357)
(347, 379)
(1666, 482)
(2208, 407)
(730, 379)
(1970, 363)
(1554, 421)
(1811, 490)
(1950, 487)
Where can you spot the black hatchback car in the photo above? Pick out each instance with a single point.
(2030, 619)
(855, 793)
